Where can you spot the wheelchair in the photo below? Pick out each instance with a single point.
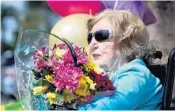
(166, 74)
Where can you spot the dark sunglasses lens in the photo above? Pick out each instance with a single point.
(89, 38)
(102, 35)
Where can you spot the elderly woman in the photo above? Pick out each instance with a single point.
(118, 43)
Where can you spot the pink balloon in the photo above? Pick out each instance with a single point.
(65, 8)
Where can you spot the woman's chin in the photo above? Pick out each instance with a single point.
(100, 64)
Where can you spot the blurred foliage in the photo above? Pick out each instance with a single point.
(32, 20)
(12, 106)
(5, 12)
(38, 4)
(34, 4)
(35, 16)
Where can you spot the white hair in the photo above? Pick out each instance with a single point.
(133, 37)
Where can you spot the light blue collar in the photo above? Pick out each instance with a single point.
(126, 67)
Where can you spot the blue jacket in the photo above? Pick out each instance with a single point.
(136, 88)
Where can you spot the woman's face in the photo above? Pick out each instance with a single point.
(103, 53)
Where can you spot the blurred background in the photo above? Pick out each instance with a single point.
(14, 14)
(38, 15)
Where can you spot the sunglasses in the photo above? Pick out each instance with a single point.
(100, 35)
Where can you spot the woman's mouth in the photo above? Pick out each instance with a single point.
(96, 56)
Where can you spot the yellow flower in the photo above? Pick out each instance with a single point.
(90, 82)
(39, 89)
(68, 96)
(51, 101)
(91, 65)
(49, 78)
(59, 53)
(51, 97)
(82, 90)
(85, 84)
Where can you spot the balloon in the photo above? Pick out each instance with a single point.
(137, 7)
(73, 28)
(65, 8)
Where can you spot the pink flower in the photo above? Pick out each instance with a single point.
(62, 46)
(81, 56)
(40, 64)
(52, 53)
(39, 54)
(55, 63)
(39, 60)
(66, 76)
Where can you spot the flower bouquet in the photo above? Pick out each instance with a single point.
(63, 77)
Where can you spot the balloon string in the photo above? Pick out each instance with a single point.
(115, 5)
(90, 11)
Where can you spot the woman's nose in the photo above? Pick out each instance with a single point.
(93, 44)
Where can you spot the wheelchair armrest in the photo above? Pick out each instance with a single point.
(159, 71)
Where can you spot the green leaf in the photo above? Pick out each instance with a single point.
(36, 74)
(46, 57)
(41, 82)
(59, 97)
(54, 46)
(52, 88)
(14, 106)
(45, 71)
